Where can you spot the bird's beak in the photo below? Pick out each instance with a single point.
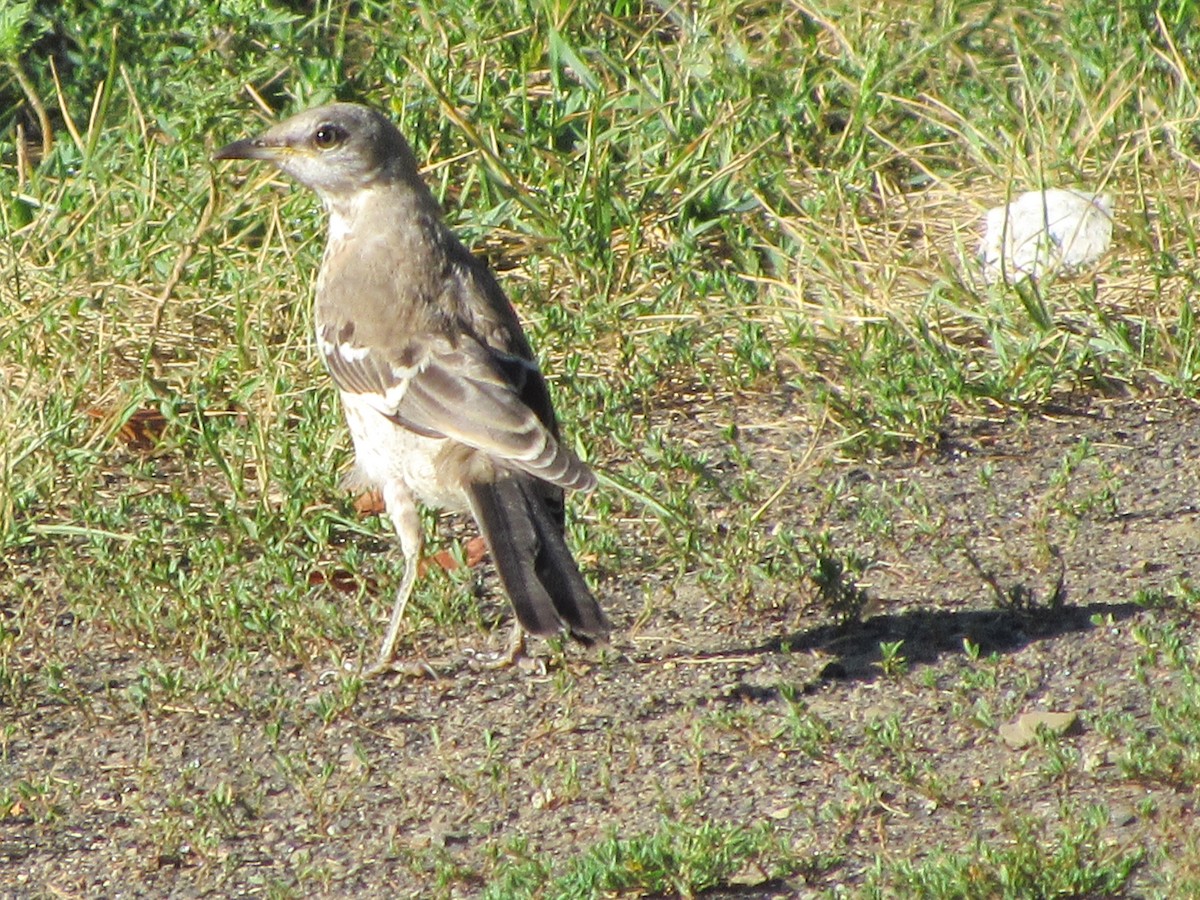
(250, 148)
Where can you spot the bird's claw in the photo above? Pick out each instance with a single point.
(405, 667)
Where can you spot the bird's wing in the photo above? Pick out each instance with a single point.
(464, 391)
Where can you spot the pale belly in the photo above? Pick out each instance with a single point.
(384, 453)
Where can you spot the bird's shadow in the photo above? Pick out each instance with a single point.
(923, 637)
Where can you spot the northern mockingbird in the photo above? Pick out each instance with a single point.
(440, 388)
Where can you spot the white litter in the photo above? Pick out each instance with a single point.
(1045, 232)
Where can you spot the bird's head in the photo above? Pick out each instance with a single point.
(336, 150)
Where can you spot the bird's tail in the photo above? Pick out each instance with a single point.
(524, 532)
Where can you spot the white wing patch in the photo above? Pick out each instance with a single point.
(348, 352)
(384, 404)
(351, 353)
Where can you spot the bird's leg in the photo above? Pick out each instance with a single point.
(388, 651)
(407, 522)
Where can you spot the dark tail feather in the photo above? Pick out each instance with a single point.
(526, 539)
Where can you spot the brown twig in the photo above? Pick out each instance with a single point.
(35, 101)
(185, 256)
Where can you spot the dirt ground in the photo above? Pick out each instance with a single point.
(754, 710)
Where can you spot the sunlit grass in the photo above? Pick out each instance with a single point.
(722, 223)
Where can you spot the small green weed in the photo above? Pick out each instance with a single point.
(1031, 861)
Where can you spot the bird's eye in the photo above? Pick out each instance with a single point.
(326, 137)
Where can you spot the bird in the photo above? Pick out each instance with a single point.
(442, 394)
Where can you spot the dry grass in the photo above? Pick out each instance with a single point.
(742, 236)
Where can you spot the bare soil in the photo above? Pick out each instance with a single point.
(417, 784)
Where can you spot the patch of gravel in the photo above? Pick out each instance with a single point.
(420, 782)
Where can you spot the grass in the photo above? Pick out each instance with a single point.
(736, 231)
(1028, 863)
(676, 860)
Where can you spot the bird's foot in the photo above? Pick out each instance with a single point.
(513, 655)
(408, 668)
